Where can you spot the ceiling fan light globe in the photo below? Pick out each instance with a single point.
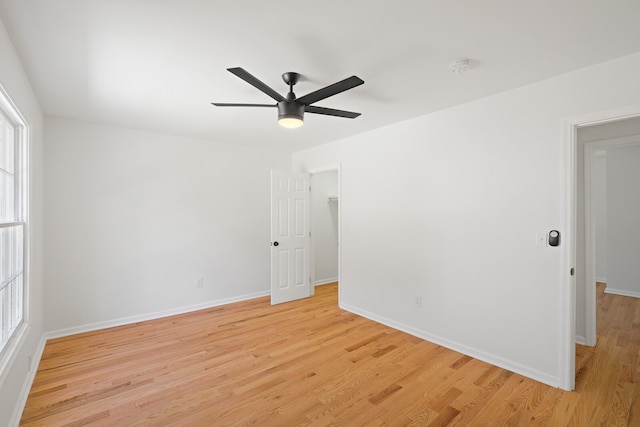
(290, 122)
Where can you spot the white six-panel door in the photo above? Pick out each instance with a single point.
(290, 238)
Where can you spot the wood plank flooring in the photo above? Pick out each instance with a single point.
(310, 363)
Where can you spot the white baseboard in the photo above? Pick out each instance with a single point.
(581, 340)
(151, 316)
(452, 345)
(325, 281)
(622, 292)
(26, 385)
(601, 279)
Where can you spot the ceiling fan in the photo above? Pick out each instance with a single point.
(291, 109)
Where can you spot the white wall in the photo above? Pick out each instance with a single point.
(623, 221)
(133, 218)
(581, 256)
(324, 226)
(465, 192)
(16, 379)
(600, 192)
(627, 127)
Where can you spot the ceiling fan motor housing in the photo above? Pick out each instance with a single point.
(290, 109)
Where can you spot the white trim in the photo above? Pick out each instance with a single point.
(12, 113)
(589, 246)
(622, 292)
(325, 281)
(581, 340)
(11, 110)
(14, 421)
(622, 142)
(340, 287)
(601, 279)
(453, 345)
(151, 316)
(567, 292)
(11, 224)
(601, 117)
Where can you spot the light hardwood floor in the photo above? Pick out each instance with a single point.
(310, 363)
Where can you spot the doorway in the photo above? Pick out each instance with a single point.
(609, 153)
(580, 245)
(325, 227)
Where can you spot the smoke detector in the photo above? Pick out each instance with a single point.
(459, 65)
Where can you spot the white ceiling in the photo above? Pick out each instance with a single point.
(158, 64)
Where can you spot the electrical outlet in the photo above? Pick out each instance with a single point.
(199, 282)
(418, 301)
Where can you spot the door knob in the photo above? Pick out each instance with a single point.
(275, 243)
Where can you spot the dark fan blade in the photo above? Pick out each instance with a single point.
(222, 104)
(240, 72)
(331, 90)
(330, 112)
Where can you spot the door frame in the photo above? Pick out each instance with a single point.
(567, 281)
(317, 171)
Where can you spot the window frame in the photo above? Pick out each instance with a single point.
(12, 115)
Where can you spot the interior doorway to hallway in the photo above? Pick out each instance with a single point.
(609, 162)
(572, 260)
